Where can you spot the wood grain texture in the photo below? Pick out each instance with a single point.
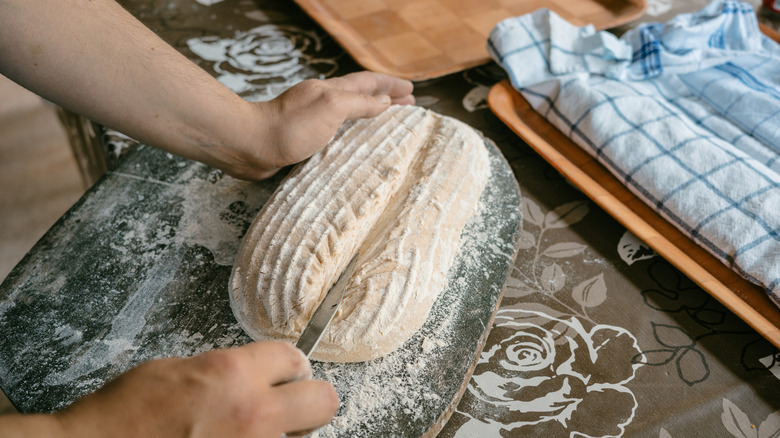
(425, 39)
(745, 299)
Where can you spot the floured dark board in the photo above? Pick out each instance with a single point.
(139, 269)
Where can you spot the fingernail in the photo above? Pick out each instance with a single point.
(384, 99)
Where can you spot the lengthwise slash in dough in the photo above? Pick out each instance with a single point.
(399, 188)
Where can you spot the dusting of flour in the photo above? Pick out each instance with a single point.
(407, 392)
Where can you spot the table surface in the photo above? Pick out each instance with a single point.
(596, 335)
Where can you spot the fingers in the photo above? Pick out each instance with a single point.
(247, 391)
(300, 403)
(405, 100)
(306, 405)
(367, 94)
(321, 106)
(375, 84)
(350, 105)
(277, 362)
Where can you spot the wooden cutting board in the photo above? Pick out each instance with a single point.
(424, 39)
(139, 269)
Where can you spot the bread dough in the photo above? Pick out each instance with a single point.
(398, 188)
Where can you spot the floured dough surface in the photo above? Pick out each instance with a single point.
(398, 188)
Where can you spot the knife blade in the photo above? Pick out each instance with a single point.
(324, 314)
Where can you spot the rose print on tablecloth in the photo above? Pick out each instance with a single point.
(261, 63)
(739, 424)
(682, 346)
(631, 249)
(552, 376)
(481, 78)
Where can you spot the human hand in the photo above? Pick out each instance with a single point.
(162, 99)
(258, 390)
(303, 119)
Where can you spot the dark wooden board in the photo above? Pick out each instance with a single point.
(139, 269)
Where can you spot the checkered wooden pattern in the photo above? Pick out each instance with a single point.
(422, 39)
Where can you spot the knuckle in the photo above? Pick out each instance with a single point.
(312, 85)
(295, 359)
(287, 356)
(328, 98)
(218, 362)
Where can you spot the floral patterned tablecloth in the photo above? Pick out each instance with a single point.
(596, 335)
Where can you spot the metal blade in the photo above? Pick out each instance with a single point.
(322, 316)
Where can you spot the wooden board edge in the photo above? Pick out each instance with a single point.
(503, 100)
(350, 41)
(641, 8)
(768, 31)
(343, 34)
(439, 424)
(445, 416)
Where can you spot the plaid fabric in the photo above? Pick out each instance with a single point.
(686, 114)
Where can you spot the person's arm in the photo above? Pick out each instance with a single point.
(257, 390)
(28, 426)
(94, 58)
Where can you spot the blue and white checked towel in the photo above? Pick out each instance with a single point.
(686, 114)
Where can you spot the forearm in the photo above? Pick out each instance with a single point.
(96, 59)
(30, 426)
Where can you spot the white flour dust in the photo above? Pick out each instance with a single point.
(404, 393)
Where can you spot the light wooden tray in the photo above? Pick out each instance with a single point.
(745, 299)
(423, 39)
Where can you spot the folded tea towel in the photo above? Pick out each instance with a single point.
(686, 114)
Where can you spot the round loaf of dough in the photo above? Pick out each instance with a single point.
(399, 188)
